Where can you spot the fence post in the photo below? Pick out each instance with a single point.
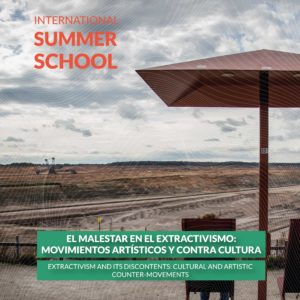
(285, 248)
(18, 248)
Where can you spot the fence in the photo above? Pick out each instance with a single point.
(279, 249)
(17, 246)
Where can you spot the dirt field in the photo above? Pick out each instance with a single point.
(134, 198)
(141, 197)
(21, 187)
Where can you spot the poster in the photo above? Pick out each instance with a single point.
(149, 149)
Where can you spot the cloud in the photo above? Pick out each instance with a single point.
(66, 96)
(148, 34)
(290, 129)
(229, 124)
(243, 149)
(234, 122)
(204, 155)
(226, 128)
(70, 125)
(13, 139)
(29, 129)
(278, 138)
(94, 152)
(5, 113)
(287, 151)
(130, 111)
(197, 113)
(13, 146)
(291, 115)
(18, 15)
(12, 10)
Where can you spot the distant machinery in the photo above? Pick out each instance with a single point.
(53, 168)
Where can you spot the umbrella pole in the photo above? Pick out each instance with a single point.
(263, 165)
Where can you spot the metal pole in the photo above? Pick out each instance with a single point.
(263, 165)
(18, 248)
(111, 224)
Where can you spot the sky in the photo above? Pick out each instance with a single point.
(102, 116)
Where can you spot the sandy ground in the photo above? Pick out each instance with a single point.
(19, 282)
(155, 212)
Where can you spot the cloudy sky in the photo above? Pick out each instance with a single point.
(103, 116)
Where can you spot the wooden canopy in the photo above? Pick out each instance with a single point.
(228, 81)
(262, 79)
